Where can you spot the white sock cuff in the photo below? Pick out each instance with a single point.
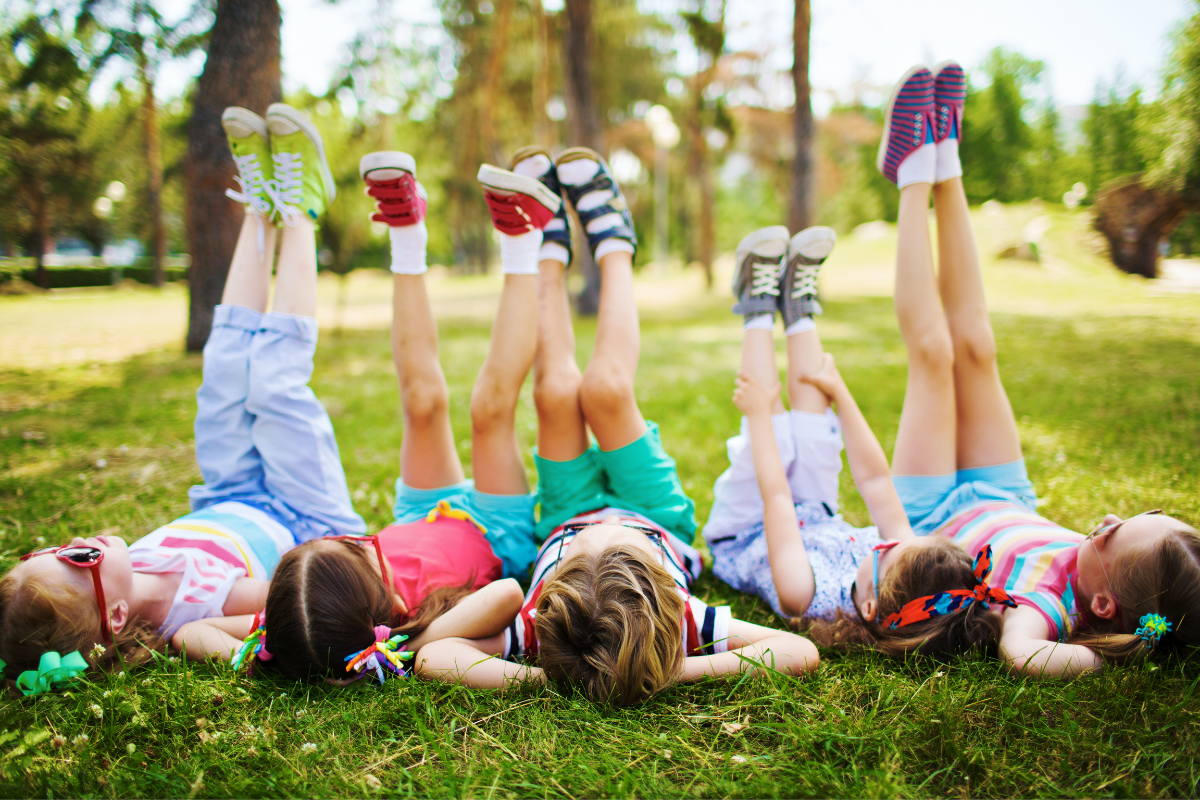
(760, 322)
(553, 251)
(408, 248)
(533, 167)
(519, 254)
(948, 163)
(581, 170)
(806, 323)
(613, 246)
(919, 167)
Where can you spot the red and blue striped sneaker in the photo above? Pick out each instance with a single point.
(949, 96)
(391, 179)
(908, 122)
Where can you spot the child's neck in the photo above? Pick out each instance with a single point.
(152, 596)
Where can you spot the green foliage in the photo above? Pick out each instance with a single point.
(1114, 136)
(1176, 162)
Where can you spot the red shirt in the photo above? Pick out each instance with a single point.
(427, 555)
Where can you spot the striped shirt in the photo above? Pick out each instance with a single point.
(1034, 559)
(705, 628)
(212, 548)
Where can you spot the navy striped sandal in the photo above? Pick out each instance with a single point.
(602, 182)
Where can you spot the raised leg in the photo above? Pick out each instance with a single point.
(296, 278)
(758, 360)
(925, 441)
(495, 453)
(805, 357)
(562, 434)
(986, 428)
(606, 396)
(249, 280)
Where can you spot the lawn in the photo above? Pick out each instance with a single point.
(1104, 373)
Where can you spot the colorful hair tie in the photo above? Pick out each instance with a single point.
(52, 673)
(255, 644)
(1153, 626)
(384, 654)
(936, 605)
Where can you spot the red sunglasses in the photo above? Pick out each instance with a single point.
(363, 540)
(88, 558)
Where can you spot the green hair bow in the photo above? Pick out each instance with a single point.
(52, 672)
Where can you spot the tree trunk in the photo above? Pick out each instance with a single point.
(491, 84)
(1134, 218)
(41, 237)
(583, 122)
(541, 76)
(242, 69)
(154, 172)
(800, 214)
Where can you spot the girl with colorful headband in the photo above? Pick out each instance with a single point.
(265, 447)
(1129, 587)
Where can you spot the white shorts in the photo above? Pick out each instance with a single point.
(810, 446)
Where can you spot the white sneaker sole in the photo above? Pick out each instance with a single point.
(814, 243)
(286, 120)
(240, 123)
(387, 165)
(881, 156)
(505, 181)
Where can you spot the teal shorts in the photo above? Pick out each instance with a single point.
(638, 477)
(507, 517)
(930, 500)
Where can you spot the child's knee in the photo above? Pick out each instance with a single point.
(424, 401)
(933, 350)
(557, 393)
(975, 346)
(606, 389)
(492, 406)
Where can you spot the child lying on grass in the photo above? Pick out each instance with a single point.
(609, 609)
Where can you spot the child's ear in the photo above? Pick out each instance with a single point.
(398, 604)
(1104, 605)
(118, 616)
(868, 609)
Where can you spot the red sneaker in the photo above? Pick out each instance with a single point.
(391, 179)
(519, 204)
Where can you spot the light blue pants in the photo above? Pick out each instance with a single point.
(262, 437)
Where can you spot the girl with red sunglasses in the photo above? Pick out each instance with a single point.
(264, 445)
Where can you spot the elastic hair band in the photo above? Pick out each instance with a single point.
(385, 653)
(1153, 627)
(255, 644)
(948, 602)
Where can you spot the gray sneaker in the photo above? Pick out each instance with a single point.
(806, 252)
(756, 278)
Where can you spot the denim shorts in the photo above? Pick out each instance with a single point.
(930, 500)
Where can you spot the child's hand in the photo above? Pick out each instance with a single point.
(828, 380)
(752, 397)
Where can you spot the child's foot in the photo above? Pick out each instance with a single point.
(303, 183)
(906, 152)
(589, 185)
(391, 179)
(519, 203)
(250, 143)
(756, 277)
(806, 252)
(949, 98)
(400, 203)
(534, 161)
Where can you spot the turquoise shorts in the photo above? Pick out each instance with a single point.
(507, 517)
(638, 477)
(930, 500)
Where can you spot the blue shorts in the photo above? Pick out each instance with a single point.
(507, 517)
(931, 500)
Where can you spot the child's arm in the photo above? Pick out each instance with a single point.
(248, 596)
(790, 570)
(472, 662)
(1026, 648)
(477, 616)
(786, 652)
(868, 464)
(215, 636)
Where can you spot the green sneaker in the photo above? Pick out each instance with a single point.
(303, 183)
(249, 141)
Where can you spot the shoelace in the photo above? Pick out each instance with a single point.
(253, 193)
(804, 282)
(287, 190)
(765, 280)
(507, 214)
(396, 201)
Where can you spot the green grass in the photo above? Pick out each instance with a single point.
(1109, 412)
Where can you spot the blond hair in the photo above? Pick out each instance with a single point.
(612, 623)
(41, 614)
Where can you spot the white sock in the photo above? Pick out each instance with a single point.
(948, 165)
(519, 254)
(612, 246)
(408, 248)
(553, 251)
(579, 172)
(759, 322)
(533, 167)
(805, 323)
(918, 167)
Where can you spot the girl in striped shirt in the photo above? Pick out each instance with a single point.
(1060, 602)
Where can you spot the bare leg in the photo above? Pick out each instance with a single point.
(805, 357)
(249, 281)
(607, 398)
(562, 434)
(428, 459)
(495, 453)
(925, 441)
(987, 430)
(758, 360)
(296, 281)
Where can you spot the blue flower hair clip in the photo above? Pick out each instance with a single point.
(1153, 626)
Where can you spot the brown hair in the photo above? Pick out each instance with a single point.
(1166, 581)
(611, 622)
(324, 603)
(941, 566)
(40, 614)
